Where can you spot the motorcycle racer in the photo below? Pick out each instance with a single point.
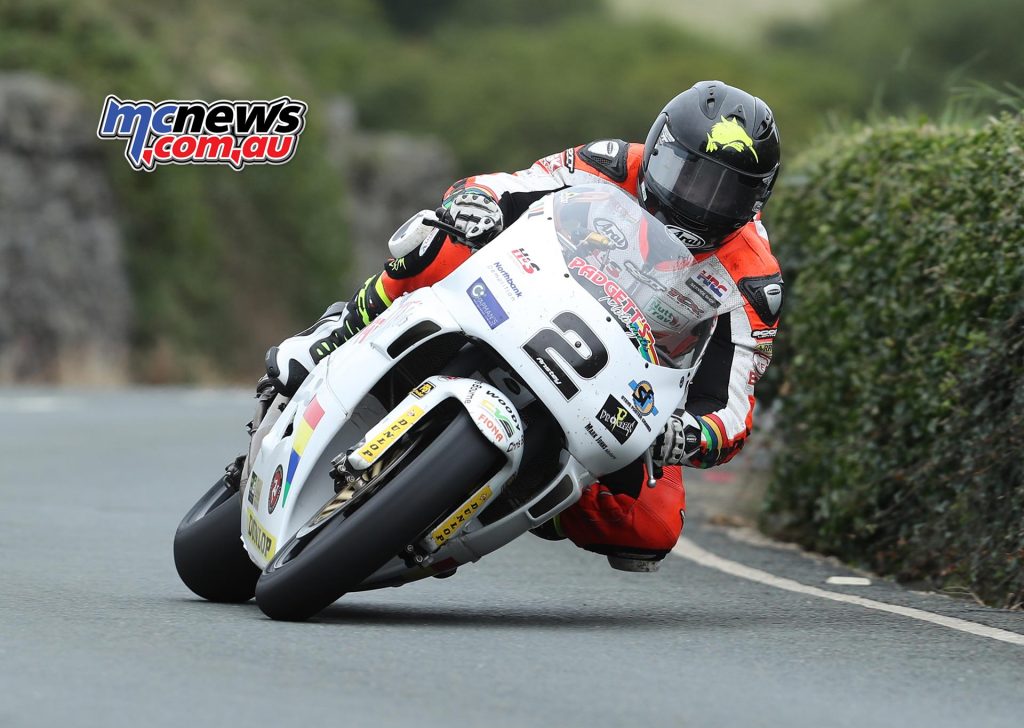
(706, 169)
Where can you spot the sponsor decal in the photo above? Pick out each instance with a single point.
(705, 296)
(486, 303)
(506, 280)
(543, 364)
(235, 133)
(761, 363)
(523, 259)
(471, 393)
(727, 133)
(275, 489)
(686, 302)
(709, 281)
(398, 314)
(255, 489)
(599, 440)
(463, 515)
(617, 420)
(303, 431)
(661, 313)
(423, 390)
(377, 444)
(570, 159)
(495, 411)
(618, 302)
(492, 428)
(690, 240)
(767, 349)
(259, 537)
(611, 231)
(764, 333)
(644, 278)
(760, 367)
(643, 397)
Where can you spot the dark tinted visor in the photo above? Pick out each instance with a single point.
(681, 176)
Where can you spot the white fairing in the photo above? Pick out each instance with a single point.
(525, 296)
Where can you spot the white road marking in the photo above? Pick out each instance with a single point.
(691, 551)
(849, 581)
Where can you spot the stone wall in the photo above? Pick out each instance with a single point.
(389, 175)
(65, 304)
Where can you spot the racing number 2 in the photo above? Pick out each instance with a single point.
(548, 341)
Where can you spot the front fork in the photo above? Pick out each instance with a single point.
(269, 405)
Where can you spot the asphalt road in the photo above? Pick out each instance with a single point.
(96, 630)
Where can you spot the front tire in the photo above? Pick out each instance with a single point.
(345, 551)
(208, 550)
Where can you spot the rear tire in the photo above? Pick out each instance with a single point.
(208, 550)
(345, 551)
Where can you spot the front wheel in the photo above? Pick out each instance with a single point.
(208, 550)
(427, 482)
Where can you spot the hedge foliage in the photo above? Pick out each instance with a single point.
(902, 353)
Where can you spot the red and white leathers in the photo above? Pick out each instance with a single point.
(743, 279)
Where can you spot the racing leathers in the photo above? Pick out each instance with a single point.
(740, 278)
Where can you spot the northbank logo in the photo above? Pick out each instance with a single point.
(235, 133)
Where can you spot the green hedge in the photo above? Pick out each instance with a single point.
(902, 353)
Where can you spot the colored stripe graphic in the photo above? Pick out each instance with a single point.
(713, 434)
(310, 419)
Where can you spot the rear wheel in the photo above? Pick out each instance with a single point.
(345, 544)
(208, 550)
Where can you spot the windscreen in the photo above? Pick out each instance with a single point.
(636, 268)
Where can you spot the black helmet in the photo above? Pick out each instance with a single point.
(710, 161)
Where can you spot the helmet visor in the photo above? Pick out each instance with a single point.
(703, 189)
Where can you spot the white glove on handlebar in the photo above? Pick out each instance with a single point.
(476, 215)
(680, 440)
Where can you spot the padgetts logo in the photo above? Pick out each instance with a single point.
(235, 133)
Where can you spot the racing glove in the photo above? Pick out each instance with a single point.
(476, 215)
(680, 440)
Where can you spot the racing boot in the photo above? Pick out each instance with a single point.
(289, 363)
(622, 517)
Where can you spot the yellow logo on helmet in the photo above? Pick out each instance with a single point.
(728, 134)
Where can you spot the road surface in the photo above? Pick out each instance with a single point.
(96, 629)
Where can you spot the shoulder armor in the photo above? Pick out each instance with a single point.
(765, 295)
(608, 156)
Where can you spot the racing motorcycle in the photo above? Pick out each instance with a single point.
(467, 414)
